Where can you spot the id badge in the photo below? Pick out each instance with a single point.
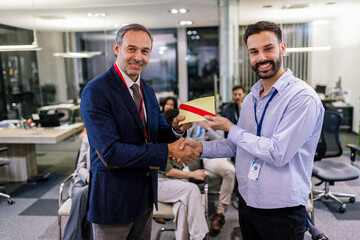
(254, 170)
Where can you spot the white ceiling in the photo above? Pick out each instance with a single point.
(72, 15)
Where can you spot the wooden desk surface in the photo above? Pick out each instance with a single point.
(43, 136)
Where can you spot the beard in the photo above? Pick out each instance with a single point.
(275, 66)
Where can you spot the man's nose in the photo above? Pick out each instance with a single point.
(261, 57)
(137, 55)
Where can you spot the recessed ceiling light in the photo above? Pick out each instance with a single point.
(97, 14)
(183, 10)
(330, 3)
(186, 22)
(267, 6)
(174, 11)
(296, 6)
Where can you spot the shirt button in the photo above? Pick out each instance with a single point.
(255, 127)
(258, 110)
(147, 174)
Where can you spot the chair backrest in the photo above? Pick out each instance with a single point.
(329, 143)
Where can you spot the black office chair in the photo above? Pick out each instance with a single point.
(4, 162)
(331, 171)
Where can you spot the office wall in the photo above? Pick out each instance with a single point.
(51, 68)
(343, 35)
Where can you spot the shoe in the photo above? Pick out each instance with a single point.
(160, 220)
(217, 222)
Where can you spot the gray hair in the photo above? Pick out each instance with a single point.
(131, 27)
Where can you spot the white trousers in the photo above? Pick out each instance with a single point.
(190, 222)
(226, 170)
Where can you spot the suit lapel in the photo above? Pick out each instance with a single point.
(120, 86)
(149, 108)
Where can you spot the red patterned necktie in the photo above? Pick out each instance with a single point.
(138, 101)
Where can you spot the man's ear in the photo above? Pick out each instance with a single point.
(116, 49)
(283, 48)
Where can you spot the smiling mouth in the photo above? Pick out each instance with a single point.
(264, 66)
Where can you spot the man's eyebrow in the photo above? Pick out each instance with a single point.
(267, 45)
(133, 46)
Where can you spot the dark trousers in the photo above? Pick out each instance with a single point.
(270, 224)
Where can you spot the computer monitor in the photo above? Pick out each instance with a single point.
(46, 119)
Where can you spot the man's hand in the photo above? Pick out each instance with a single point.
(183, 127)
(203, 124)
(219, 123)
(198, 174)
(190, 143)
(186, 154)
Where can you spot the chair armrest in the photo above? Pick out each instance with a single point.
(353, 148)
(62, 187)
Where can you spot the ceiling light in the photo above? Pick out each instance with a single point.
(174, 11)
(78, 54)
(186, 22)
(97, 14)
(267, 6)
(34, 46)
(82, 54)
(296, 6)
(183, 10)
(19, 48)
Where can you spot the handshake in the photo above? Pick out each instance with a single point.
(185, 150)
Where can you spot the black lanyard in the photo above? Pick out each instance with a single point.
(259, 125)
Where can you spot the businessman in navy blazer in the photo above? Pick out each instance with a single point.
(126, 151)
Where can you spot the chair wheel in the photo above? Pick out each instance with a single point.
(352, 199)
(10, 201)
(342, 209)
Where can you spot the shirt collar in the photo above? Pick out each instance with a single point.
(280, 84)
(128, 80)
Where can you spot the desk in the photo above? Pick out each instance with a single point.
(21, 144)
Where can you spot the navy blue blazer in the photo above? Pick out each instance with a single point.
(124, 168)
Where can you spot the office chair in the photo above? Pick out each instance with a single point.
(331, 171)
(64, 197)
(64, 200)
(3, 162)
(165, 210)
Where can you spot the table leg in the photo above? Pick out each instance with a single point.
(23, 165)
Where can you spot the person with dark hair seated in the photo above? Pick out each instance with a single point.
(169, 103)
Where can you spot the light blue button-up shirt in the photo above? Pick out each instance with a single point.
(285, 150)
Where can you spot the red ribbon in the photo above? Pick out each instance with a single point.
(195, 110)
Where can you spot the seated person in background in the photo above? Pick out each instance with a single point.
(82, 134)
(77, 226)
(174, 187)
(232, 110)
(169, 103)
(201, 131)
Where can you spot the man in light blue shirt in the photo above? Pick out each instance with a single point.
(274, 141)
